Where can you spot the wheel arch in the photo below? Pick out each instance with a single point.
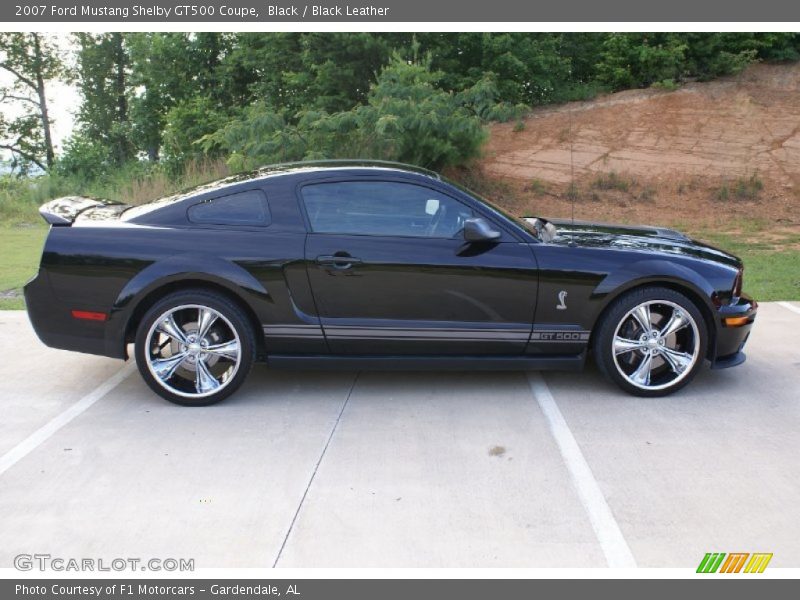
(149, 300)
(699, 295)
(181, 273)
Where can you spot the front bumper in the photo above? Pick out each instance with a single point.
(731, 338)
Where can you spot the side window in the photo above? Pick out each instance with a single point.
(244, 208)
(383, 208)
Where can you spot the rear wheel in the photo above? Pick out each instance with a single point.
(194, 348)
(651, 342)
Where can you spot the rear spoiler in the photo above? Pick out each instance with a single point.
(63, 211)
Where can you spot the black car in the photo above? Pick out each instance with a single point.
(376, 265)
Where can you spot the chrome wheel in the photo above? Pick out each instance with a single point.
(193, 351)
(656, 345)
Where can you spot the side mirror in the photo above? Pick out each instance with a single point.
(478, 229)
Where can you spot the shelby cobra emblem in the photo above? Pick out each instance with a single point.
(562, 296)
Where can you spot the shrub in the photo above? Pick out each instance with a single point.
(669, 85)
(537, 186)
(748, 188)
(573, 192)
(743, 188)
(17, 204)
(611, 181)
(630, 60)
(84, 158)
(406, 118)
(647, 194)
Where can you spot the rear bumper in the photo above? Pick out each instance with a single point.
(730, 339)
(55, 326)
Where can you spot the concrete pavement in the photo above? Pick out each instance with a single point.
(305, 469)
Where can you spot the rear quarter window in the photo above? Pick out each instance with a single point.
(249, 208)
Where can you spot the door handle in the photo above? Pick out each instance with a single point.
(338, 261)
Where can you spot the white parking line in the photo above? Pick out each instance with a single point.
(30, 443)
(791, 307)
(612, 542)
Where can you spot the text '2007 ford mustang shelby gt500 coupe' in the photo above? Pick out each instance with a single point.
(376, 265)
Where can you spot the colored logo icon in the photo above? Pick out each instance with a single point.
(734, 562)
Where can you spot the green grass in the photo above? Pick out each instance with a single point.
(20, 252)
(770, 273)
(537, 186)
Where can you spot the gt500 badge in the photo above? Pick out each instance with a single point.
(560, 336)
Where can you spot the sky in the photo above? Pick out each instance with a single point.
(63, 101)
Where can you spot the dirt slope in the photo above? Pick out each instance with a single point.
(710, 153)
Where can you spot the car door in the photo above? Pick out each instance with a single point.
(391, 273)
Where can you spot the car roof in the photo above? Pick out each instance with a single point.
(340, 164)
(311, 166)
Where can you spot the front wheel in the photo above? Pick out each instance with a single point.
(651, 342)
(194, 348)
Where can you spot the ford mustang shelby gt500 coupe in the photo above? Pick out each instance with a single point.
(376, 265)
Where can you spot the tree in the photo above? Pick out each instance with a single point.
(176, 97)
(405, 117)
(102, 76)
(177, 71)
(31, 60)
(326, 71)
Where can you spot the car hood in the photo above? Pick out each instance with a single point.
(636, 237)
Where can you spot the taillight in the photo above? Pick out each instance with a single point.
(87, 315)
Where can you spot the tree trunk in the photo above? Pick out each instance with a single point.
(119, 79)
(120, 63)
(50, 156)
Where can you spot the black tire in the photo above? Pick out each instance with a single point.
(615, 366)
(231, 325)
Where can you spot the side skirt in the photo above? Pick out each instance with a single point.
(574, 362)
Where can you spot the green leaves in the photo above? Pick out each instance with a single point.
(27, 62)
(406, 117)
(629, 60)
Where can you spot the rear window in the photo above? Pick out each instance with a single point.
(244, 208)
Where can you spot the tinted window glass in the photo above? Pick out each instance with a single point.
(383, 208)
(244, 208)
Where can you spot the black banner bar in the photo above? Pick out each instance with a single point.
(389, 11)
(393, 589)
